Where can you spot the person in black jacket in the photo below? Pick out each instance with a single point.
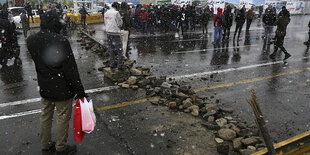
(228, 17)
(240, 19)
(28, 8)
(6, 31)
(308, 42)
(58, 79)
(205, 19)
(83, 13)
(269, 18)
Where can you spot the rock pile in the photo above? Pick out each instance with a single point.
(232, 136)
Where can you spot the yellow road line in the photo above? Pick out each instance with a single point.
(123, 104)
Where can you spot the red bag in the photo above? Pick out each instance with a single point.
(77, 122)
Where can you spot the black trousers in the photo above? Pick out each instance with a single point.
(279, 44)
(248, 24)
(226, 32)
(238, 29)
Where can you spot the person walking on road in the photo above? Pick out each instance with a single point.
(249, 17)
(125, 27)
(205, 19)
(228, 17)
(25, 23)
(83, 13)
(28, 8)
(269, 19)
(218, 25)
(59, 82)
(113, 22)
(308, 42)
(281, 24)
(240, 20)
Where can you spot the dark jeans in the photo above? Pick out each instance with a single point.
(144, 26)
(248, 24)
(226, 32)
(205, 27)
(238, 28)
(83, 20)
(115, 48)
(25, 33)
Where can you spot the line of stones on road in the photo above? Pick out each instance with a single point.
(232, 136)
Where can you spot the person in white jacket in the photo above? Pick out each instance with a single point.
(113, 22)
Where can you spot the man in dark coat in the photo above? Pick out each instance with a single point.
(281, 23)
(240, 19)
(269, 19)
(6, 32)
(249, 17)
(228, 17)
(83, 13)
(58, 79)
(28, 8)
(205, 19)
(25, 23)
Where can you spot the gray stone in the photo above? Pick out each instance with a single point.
(157, 90)
(210, 126)
(237, 143)
(250, 141)
(246, 151)
(116, 75)
(193, 107)
(221, 122)
(227, 134)
(143, 82)
(210, 107)
(209, 113)
(227, 110)
(181, 95)
(155, 101)
(187, 103)
(252, 147)
(211, 119)
(223, 148)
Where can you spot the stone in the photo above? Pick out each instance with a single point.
(223, 148)
(172, 105)
(180, 107)
(154, 102)
(237, 143)
(165, 85)
(210, 126)
(181, 95)
(194, 97)
(158, 81)
(191, 92)
(241, 125)
(124, 85)
(227, 110)
(195, 112)
(251, 148)
(134, 87)
(228, 118)
(246, 151)
(199, 101)
(209, 113)
(128, 63)
(250, 141)
(132, 80)
(187, 103)
(193, 107)
(135, 71)
(221, 122)
(219, 140)
(157, 90)
(233, 127)
(187, 111)
(210, 107)
(211, 119)
(116, 75)
(143, 82)
(146, 73)
(227, 134)
(184, 89)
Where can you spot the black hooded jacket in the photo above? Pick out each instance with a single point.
(57, 72)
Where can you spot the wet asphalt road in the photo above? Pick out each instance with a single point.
(282, 92)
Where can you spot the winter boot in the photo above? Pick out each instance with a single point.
(50, 150)
(287, 55)
(70, 150)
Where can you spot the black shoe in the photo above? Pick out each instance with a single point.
(287, 55)
(50, 150)
(272, 56)
(306, 43)
(70, 150)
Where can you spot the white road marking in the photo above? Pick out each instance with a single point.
(211, 49)
(20, 114)
(90, 91)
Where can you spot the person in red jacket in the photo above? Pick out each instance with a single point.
(144, 17)
(218, 23)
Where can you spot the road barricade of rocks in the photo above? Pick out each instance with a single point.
(232, 136)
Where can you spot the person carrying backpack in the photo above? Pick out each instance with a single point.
(240, 20)
(218, 23)
(228, 17)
